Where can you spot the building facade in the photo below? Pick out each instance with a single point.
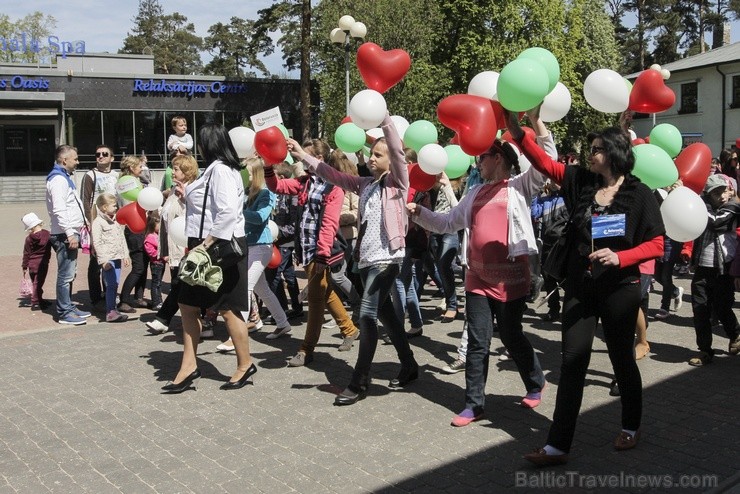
(707, 107)
(88, 99)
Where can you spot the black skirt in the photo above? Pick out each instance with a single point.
(233, 293)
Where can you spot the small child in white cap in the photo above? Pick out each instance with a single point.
(36, 255)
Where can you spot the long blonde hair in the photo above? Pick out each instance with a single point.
(257, 178)
(103, 200)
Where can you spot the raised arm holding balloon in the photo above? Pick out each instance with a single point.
(497, 213)
(615, 225)
(381, 248)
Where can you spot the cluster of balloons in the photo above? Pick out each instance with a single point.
(608, 92)
(525, 81)
(268, 143)
(143, 199)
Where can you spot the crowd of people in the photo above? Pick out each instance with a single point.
(367, 241)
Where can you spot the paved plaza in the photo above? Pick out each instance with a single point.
(81, 411)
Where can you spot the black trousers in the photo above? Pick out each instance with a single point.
(586, 302)
(711, 291)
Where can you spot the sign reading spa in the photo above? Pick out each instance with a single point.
(25, 42)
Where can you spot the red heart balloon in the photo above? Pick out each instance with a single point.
(133, 216)
(527, 130)
(271, 145)
(737, 143)
(650, 94)
(276, 258)
(694, 164)
(380, 69)
(472, 118)
(638, 141)
(347, 119)
(419, 179)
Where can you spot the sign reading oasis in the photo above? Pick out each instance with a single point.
(27, 43)
(187, 88)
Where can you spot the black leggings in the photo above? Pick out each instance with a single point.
(616, 306)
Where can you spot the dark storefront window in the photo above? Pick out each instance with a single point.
(689, 98)
(118, 127)
(151, 137)
(735, 103)
(84, 133)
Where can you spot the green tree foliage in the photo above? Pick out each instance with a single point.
(36, 26)
(231, 49)
(169, 37)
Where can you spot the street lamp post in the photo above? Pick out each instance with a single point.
(348, 30)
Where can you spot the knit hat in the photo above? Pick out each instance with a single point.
(713, 182)
(30, 220)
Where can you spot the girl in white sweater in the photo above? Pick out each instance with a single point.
(110, 249)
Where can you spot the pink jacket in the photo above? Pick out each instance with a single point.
(393, 194)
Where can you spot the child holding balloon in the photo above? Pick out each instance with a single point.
(111, 249)
(156, 262)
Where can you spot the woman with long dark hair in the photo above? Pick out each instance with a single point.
(214, 210)
(615, 225)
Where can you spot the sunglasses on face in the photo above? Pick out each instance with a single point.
(596, 149)
(102, 155)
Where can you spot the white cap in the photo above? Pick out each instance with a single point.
(30, 220)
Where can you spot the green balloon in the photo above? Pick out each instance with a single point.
(548, 62)
(366, 151)
(629, 85)
(457, 161)
(283, 130)
(349, 137)
(246, 179)
(128, 187)
(667, 137)
(522, 85)
(653, 166)
(419, 134)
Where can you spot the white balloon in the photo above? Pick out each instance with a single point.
(375, 133)
(665, 73)
(367, 109)
(684, 214)
(663, 193)
(556, 104)
(655, 66)
(433, 159)
(484, 84)
(274, 230)
(401, 125)
(150, 198)
(242, 138)
(606, 91)
(352, 157)
(177, 231)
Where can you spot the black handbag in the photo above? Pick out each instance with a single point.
(223, 253)
(555, 264)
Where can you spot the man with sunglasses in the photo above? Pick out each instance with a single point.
(95, 182)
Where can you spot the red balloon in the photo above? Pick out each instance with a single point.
(347, 119)
(737, 143)
(133, 216)
(646, 139)
(473, 119)
(638, 141)
(650, 94)
(276, 258)
(455, 140)
(419, 179)
(380, 69)
(694, 165)
(271, 145)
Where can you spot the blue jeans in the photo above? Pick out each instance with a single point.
(404, 297)
(480, 312)
(111, 277)
(376, 304)
(66, 271)
(444, 247)
(157, 270)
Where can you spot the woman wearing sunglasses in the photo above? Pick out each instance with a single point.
(615, 225)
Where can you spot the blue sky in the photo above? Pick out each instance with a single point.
(103, 25)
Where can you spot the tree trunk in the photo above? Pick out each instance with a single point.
(305, 70)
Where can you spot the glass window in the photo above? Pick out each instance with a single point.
(118, 131)
(83, 132)
(735, 100)
(689, 100)
(151, 137)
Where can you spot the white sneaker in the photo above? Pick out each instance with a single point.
(329, 325)
(279, 332)
(224, 348)
(253, 326)
(678, 299)
(157, 326)
(505, 355)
